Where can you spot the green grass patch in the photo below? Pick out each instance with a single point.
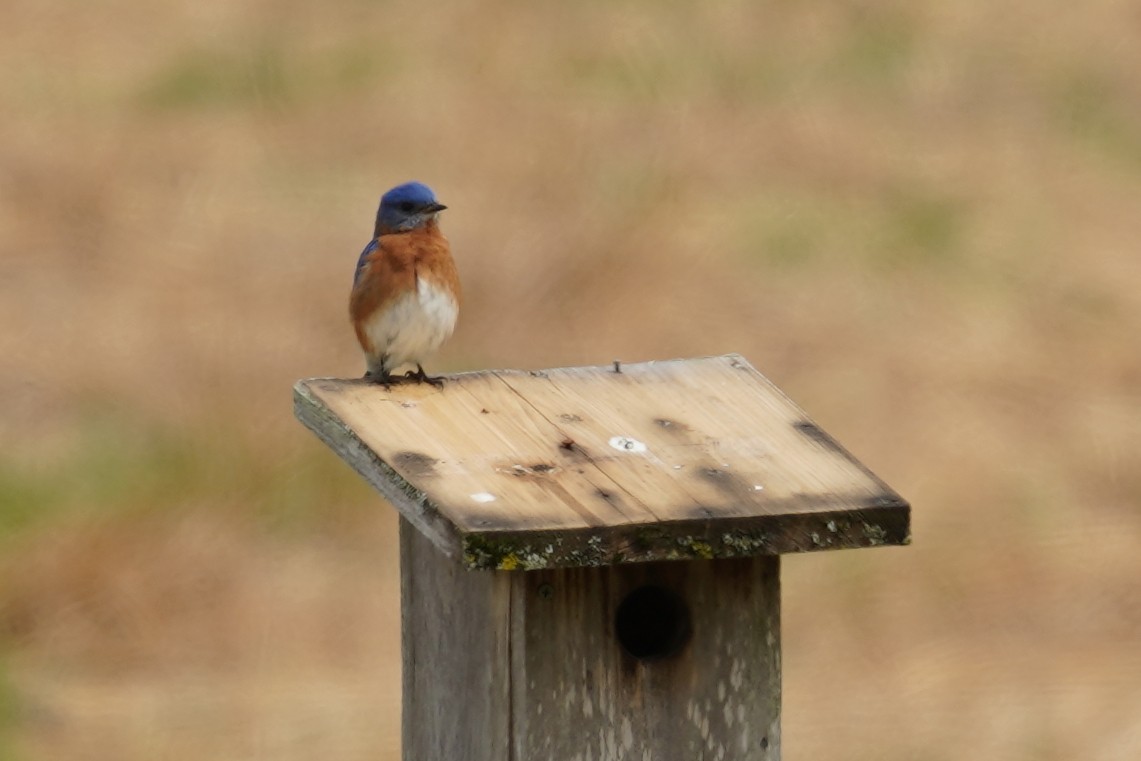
(793, 232)
(878, 49)
(920, 226)
(860, 47)
(266, 75)
(1096, 111)
(200, 78)
(642, 75)
(9, 707)
(119, 465)
(901, 227)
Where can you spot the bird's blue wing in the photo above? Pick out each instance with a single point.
(360, 262)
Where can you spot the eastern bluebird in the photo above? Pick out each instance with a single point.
(406, 292)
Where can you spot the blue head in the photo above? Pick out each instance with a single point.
(407, 207)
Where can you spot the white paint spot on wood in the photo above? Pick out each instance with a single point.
(627, 444)
(482, 496)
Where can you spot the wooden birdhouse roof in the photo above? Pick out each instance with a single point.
(586, 466)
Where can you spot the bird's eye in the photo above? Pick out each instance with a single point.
(407, 206)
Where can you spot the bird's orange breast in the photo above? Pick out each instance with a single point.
(394, 268)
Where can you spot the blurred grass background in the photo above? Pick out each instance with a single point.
(919, 219)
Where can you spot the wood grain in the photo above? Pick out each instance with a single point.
(578, 694)
(455, 629)
(695, 458)
(516, 667)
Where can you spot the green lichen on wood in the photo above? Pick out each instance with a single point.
(506, 554)
(485, 553)
(592, 553)
(692, 547)
(744, 543)
(413, 494)
(874, 534)
(510, 553)
(646, 538)
(528, 552)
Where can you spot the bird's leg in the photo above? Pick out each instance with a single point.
(381, 379)
(379, 374)
(422, 377)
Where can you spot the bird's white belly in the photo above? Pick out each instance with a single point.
(413, 326)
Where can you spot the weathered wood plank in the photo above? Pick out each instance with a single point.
(455, 632)
(578, 694)
(516, 667)
(587, 466)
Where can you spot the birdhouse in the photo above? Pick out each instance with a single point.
(590, 556)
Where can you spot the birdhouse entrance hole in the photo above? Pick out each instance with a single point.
(652, 623)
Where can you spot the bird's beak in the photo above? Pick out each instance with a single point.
(432, 208)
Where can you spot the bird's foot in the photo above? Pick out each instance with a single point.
(382, 379)
(422, 377)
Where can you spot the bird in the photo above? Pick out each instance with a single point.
(406, 290)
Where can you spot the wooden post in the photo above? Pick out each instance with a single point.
(649, 505)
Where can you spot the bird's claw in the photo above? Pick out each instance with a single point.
(418, 375)
(422, 377)
(381, 379)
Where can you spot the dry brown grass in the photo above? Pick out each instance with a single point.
(920, 220)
